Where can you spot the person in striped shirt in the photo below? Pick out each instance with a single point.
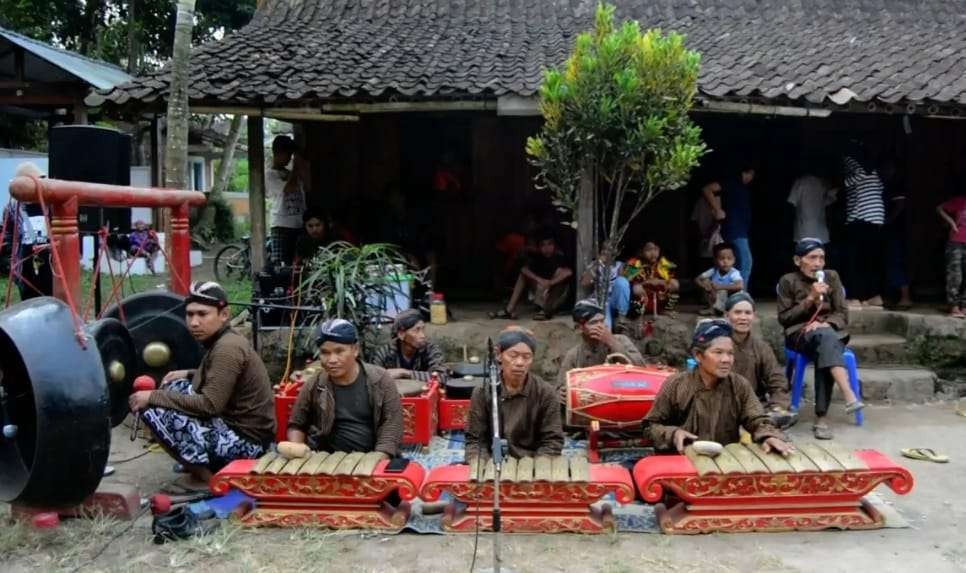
(410, 355)
(864, 223)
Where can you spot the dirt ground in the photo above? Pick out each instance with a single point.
(934, 542)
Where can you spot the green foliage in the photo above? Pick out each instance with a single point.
(99, 28)
(238, 183)
(345, 280)
(618, 108)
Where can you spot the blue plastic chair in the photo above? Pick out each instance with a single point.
(795, 364)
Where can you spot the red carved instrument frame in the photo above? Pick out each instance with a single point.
(421, 415)
(744, 502)
(530, 507)
(326, 501)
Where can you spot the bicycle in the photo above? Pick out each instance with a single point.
(234, 261)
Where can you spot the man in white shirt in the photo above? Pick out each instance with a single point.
(284, 188)
(30, 257)
(810, 196)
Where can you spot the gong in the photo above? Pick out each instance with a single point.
(462, 388)
(162, 341)
(119, 358)
(54, 407)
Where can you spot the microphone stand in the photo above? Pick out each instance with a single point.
(496, 449)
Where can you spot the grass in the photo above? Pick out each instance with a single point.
(238, 291)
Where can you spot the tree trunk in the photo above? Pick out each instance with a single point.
(176, 146)
(586, 219)
(224, 173)
(132, 37)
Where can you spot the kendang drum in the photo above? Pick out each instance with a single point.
(615, 396)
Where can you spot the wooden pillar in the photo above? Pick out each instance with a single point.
(586, 214)
(156, 146)
(180, 253)
(256, 189)
(80, 113)
(65, 239)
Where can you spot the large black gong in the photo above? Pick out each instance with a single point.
(120, 361)
(156, 322)
(55, 407)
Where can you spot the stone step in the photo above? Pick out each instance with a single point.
(893, 383)
(875, 349)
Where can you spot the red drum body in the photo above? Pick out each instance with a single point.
(613, 395)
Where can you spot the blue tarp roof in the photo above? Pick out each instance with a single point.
(98, 74)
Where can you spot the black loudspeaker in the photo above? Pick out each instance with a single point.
(94, 155)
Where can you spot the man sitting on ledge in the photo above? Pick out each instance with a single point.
(529, 412)
(409, 355)
(711, 402)
(596, 342)
(220, 412)
(351, 406)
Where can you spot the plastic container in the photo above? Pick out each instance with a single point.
(437, 309)
(692, 364)
(399, 284)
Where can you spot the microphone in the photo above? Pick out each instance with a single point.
(143, 382)
(820, 279)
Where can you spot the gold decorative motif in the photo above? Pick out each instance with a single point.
(460, 414)
(409, 418)
(760, 485)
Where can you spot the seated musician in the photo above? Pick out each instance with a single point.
(351, 406)
(711, 402)
(410, 355)
(220, 412)
(755, 360)
(596, 342)
(529, 413)
(815, 317)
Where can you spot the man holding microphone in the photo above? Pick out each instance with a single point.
(812, 309)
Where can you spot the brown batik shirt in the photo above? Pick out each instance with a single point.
(794, 311)
(755, 361)
(529, 421)
(585, 354)
(713, 414)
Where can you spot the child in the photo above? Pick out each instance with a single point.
(142, 244)
(652, 279)
(721, 280)
(953, 212)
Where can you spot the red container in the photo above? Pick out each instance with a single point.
(421, 415)
(453, 414)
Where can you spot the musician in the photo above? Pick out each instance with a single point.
(815, 317)
(219, 412)
(755, 360)
(711, 402)
(351, 406)
(529, 412)
(410, 355)
(596, 342)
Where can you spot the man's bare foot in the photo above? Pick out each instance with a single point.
(874, 301)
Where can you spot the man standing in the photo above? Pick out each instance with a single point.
(596, 342)
(731, 202)
(529, 412)
(26, 234)
(351, 406)
(409, 355)
(755, 361)
(810, 196)
(546, 276)
(711, 402)
(284, 187)
(223, 410)
(812, 309)
(864, 222)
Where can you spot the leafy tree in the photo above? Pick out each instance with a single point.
(616, 115)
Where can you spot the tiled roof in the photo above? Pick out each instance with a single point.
(792, 51)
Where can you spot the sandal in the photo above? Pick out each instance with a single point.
(822, 432)
(924, 454)
(541, 315)
(502, 314)
(853, 407)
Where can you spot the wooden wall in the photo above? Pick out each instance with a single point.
(365, 170)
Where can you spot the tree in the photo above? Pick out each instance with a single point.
(176, 146)
(206, 223)
(616, 118)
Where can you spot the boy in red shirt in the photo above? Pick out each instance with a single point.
(953, 212)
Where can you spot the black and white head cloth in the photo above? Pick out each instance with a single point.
(336, 330)
(708, 330)
(585, 310)
(208, 293)
(514, 335)
(807, 245)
